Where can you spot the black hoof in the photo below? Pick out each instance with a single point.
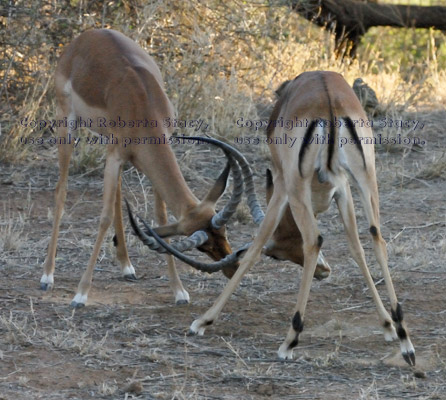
(181, 302)
(76, 305)
(45, 286)
(192, 333)
(130, 277)
(409, 358)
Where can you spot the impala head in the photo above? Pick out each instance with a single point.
(286, 242)
(209, 227)
(200, 217)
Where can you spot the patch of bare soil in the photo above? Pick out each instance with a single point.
(131, 340)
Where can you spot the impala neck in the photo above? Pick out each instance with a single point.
(166, 177)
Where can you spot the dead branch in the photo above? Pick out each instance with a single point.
(350, 19)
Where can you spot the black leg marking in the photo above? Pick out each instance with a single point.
(397, 315)
(209, 322)
(298, 326)
(401, 332)
(332, 134)
(320, 240)
(374, 231)
(332, 131)
(269, 179)
(115, 241)
(306, 142)
(387, 324)
(351, 128)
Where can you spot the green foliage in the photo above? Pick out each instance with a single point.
(403, 50)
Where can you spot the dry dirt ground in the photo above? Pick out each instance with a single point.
(131, 340)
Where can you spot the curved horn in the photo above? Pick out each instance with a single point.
(229, 260)
(222, 217)
(194, 240)
(253, 204)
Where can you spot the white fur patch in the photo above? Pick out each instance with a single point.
(80, 298)
(48, 279)
(197, 328)
(284, 352)
(407, 347)
(128, 270)
(182, 297)
(390, 334)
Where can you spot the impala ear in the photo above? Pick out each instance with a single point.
(168, 230)
(269, 185)
(219, 186)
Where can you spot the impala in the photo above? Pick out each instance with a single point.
(286, 241)
(103, 75)
(307, 177)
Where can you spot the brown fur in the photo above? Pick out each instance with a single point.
(104, 74)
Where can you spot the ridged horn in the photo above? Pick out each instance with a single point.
(253, 204)
(194, 240)
(222, 217)
(210, 268)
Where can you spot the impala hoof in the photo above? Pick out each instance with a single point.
(408, 351)
(76, 306)
(130, 277)
(197, 328)
(409, 358)
(285, 353)
(389, 332)
(79, 301)
(46, 282)
(181, 297)
(129, 274)
(45, 286)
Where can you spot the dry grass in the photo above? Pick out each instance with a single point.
(220, 62)
(131, 338)
(436, 169)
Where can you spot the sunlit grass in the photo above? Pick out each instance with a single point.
(220, 60)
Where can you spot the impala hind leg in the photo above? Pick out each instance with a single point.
(181, 295)
(370, 199)
(301, 208)
(122, 255)
(111, 178)
(273, 215)
(346, 209)
(64, 153)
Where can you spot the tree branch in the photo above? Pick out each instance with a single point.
(350, 19)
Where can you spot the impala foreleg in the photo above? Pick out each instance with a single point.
(64, 151)
(111, 178)
(268, 226)
(181, 294)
